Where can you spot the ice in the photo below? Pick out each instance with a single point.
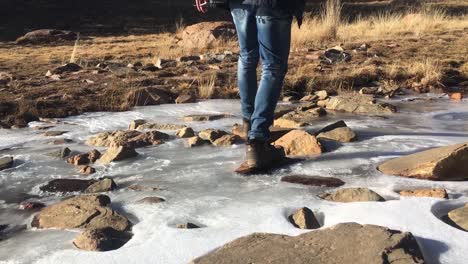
(201, 188)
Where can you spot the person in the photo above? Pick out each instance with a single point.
(264, 33)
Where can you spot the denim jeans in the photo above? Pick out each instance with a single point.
(263, 33)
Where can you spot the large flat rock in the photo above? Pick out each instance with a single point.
(341, 244)
(355, 103)
(444, 163)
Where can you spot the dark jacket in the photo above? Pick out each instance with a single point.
(294, 7)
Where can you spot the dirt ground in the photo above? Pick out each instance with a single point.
(429, 61)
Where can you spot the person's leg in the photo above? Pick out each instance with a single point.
(246, 26)
(274, 38)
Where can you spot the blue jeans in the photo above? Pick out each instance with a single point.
(265, 34)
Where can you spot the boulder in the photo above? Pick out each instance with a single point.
(129, 138)
(54, 133)
(103, 185)
(101, 239)
(460, 217)
(61, 153)
(197, 142)
(84, 158)
(151, 200)
(76, 185)
(117, 153)
(313, 180)
(341, 134)
(135, 124)
(227, 140)
(66, 68)
(6, 163)
(333, 126)
(309, 98)
(46, 36)
(304, 218)
(188, 226)
(322, 95)
(341, 244)
(85, 211)
(288, 123)
(201, 118)
(206, 33)
(211, 134)
(186, 132)
(305, 114)
(433, 193)
(348, 195)
(160, 126)
(356, 103)
(299, 143)
(5, 78)
(87, 170)
(149, 96)
(443, 164)
(186, 99)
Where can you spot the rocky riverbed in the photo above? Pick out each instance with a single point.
(144, 195)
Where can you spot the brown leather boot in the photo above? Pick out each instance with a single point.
(262, 155)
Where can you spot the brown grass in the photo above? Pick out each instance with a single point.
(206, 86)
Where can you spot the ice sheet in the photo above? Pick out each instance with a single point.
(200, 187)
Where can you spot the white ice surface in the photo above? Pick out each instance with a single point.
(200, 187)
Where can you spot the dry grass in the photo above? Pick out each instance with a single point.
(206, 86)
(427, 72)
(381, 27)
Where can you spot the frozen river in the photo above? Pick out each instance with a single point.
(200, 187)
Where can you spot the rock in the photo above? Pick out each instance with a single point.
(304, 218)
(433, 193)
(130, 138)
(227, 140)
(85, 211)
(331, 127)
(140, 188)
(46, 36)
(188, 226)
(313, 180)
(62, 141)
(186, 132)
(444, 163)
(281, 110)
(206, 33)
(103, 185)
(299, 143)
(335, 55)
(356, 103)
(323, 103)
(211, 134)
(66, 68)
(197, 142)
(84, 158)
(5, 78)
(150, 67)
(149, 96)
(288, 123)
(186, 99)
(6, 163)
(7, 231)
(460, 217)
(163, 63)
(61, 153)
(31, 206)
(322, 95)
(456, 96)
(159, 126)
(201, 118)
(369, 90)
(341, 134)
(101, 239)
(117, 153)
(189, 58)
(135, 124)
(309, 98)
(305, 114)
(54, 133)
(76, 185)
(151, 200)
(340, 244)
(348, 195)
